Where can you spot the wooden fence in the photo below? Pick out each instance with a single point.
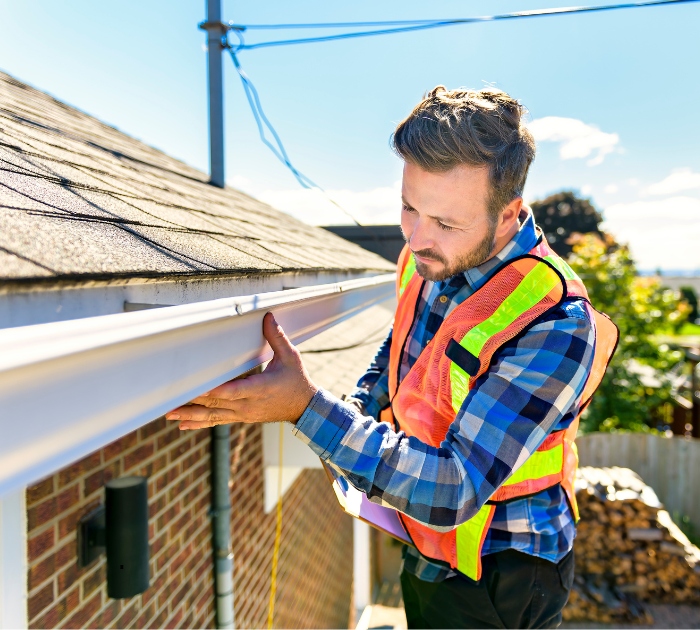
(671, 466)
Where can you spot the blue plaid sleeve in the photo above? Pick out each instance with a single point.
(372, 391)
(533, 386)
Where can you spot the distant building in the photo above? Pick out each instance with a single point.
(385, 240)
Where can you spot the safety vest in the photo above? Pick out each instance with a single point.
(426, 401)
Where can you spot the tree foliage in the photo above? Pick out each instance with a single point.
(641, 308)
(564, 214)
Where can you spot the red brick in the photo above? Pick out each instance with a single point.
(191, 460)
(179, 450)
(179, 526)
(40, 600)
(68, 524)
(68, 498)
(41, 513)
(157, 505)
(179, 559)
(109, 613)
(170, 587)
(85, 612)
(165, 478)
(119, 446)
(66, 554)
(159, 621)
(40, 572)
(39, 491)
(170, 436)
(174, 621)
(70, 474)
(97, 480)
(138, 455)
(145, 617)
(167, 517)
(154, 588)
(67, 578)
(188, 621)
(152, 428)
(177, 489)
(49, 619)
(154, 466)
(128, 615)
(94, 580)
(158, 544)
(40, 544)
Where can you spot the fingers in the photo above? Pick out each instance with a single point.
(200, 417)
(279, 342)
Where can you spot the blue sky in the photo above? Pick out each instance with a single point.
(613, 98)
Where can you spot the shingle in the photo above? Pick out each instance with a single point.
(15, 267)
(81, 198)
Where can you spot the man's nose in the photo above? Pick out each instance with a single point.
(420, 237)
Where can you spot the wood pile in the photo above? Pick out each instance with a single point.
(628, 551)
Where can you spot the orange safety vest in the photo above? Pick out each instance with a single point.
(426, 401)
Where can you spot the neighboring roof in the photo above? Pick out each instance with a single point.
(385, 240)
(349, 347)
(82, 200)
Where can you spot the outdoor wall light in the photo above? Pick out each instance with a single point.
(120, 528)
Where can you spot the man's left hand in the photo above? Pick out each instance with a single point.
(281, 393)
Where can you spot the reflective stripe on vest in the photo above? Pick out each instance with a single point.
(533, 288)
(407, 274)
(471, 534)
(469, 540)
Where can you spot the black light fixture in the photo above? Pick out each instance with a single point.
(120, 528)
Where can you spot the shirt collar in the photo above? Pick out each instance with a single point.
(521, 243)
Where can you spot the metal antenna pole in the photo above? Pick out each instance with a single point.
(216, 30)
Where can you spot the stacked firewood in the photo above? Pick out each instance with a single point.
(628, 551)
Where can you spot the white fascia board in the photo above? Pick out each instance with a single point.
(69, 388)
(30, 303)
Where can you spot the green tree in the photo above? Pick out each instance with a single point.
(689, 295)
(640, 308)
(564, 214)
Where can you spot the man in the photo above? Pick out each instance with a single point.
(480, 383)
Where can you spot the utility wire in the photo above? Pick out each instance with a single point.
(418, 25)
(262, 121)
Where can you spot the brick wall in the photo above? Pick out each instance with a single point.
(64, 596)
(315, 569)
(314, 576)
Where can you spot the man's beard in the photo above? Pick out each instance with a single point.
(474, 258)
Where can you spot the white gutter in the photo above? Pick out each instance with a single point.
(69, 388)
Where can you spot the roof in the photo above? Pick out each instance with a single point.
(339, 356)
(81, 200)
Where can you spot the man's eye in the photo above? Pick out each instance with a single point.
(407, 208)
(447, 228)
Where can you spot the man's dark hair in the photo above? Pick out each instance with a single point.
(475, 127)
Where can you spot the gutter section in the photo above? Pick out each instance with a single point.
(69, 388)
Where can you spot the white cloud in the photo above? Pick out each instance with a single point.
(376, 206)
(610, 189)
(680, 180)
(577, 139)
(661, 234)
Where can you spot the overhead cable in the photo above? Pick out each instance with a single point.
(262, 121)
(419, 25)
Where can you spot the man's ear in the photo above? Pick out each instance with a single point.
(509, 217)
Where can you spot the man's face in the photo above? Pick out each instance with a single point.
(444, 219)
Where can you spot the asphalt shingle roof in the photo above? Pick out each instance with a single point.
(80, 199)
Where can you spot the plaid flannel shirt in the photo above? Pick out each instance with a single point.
(533, 387)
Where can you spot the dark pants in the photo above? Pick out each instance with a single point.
(516, 590)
